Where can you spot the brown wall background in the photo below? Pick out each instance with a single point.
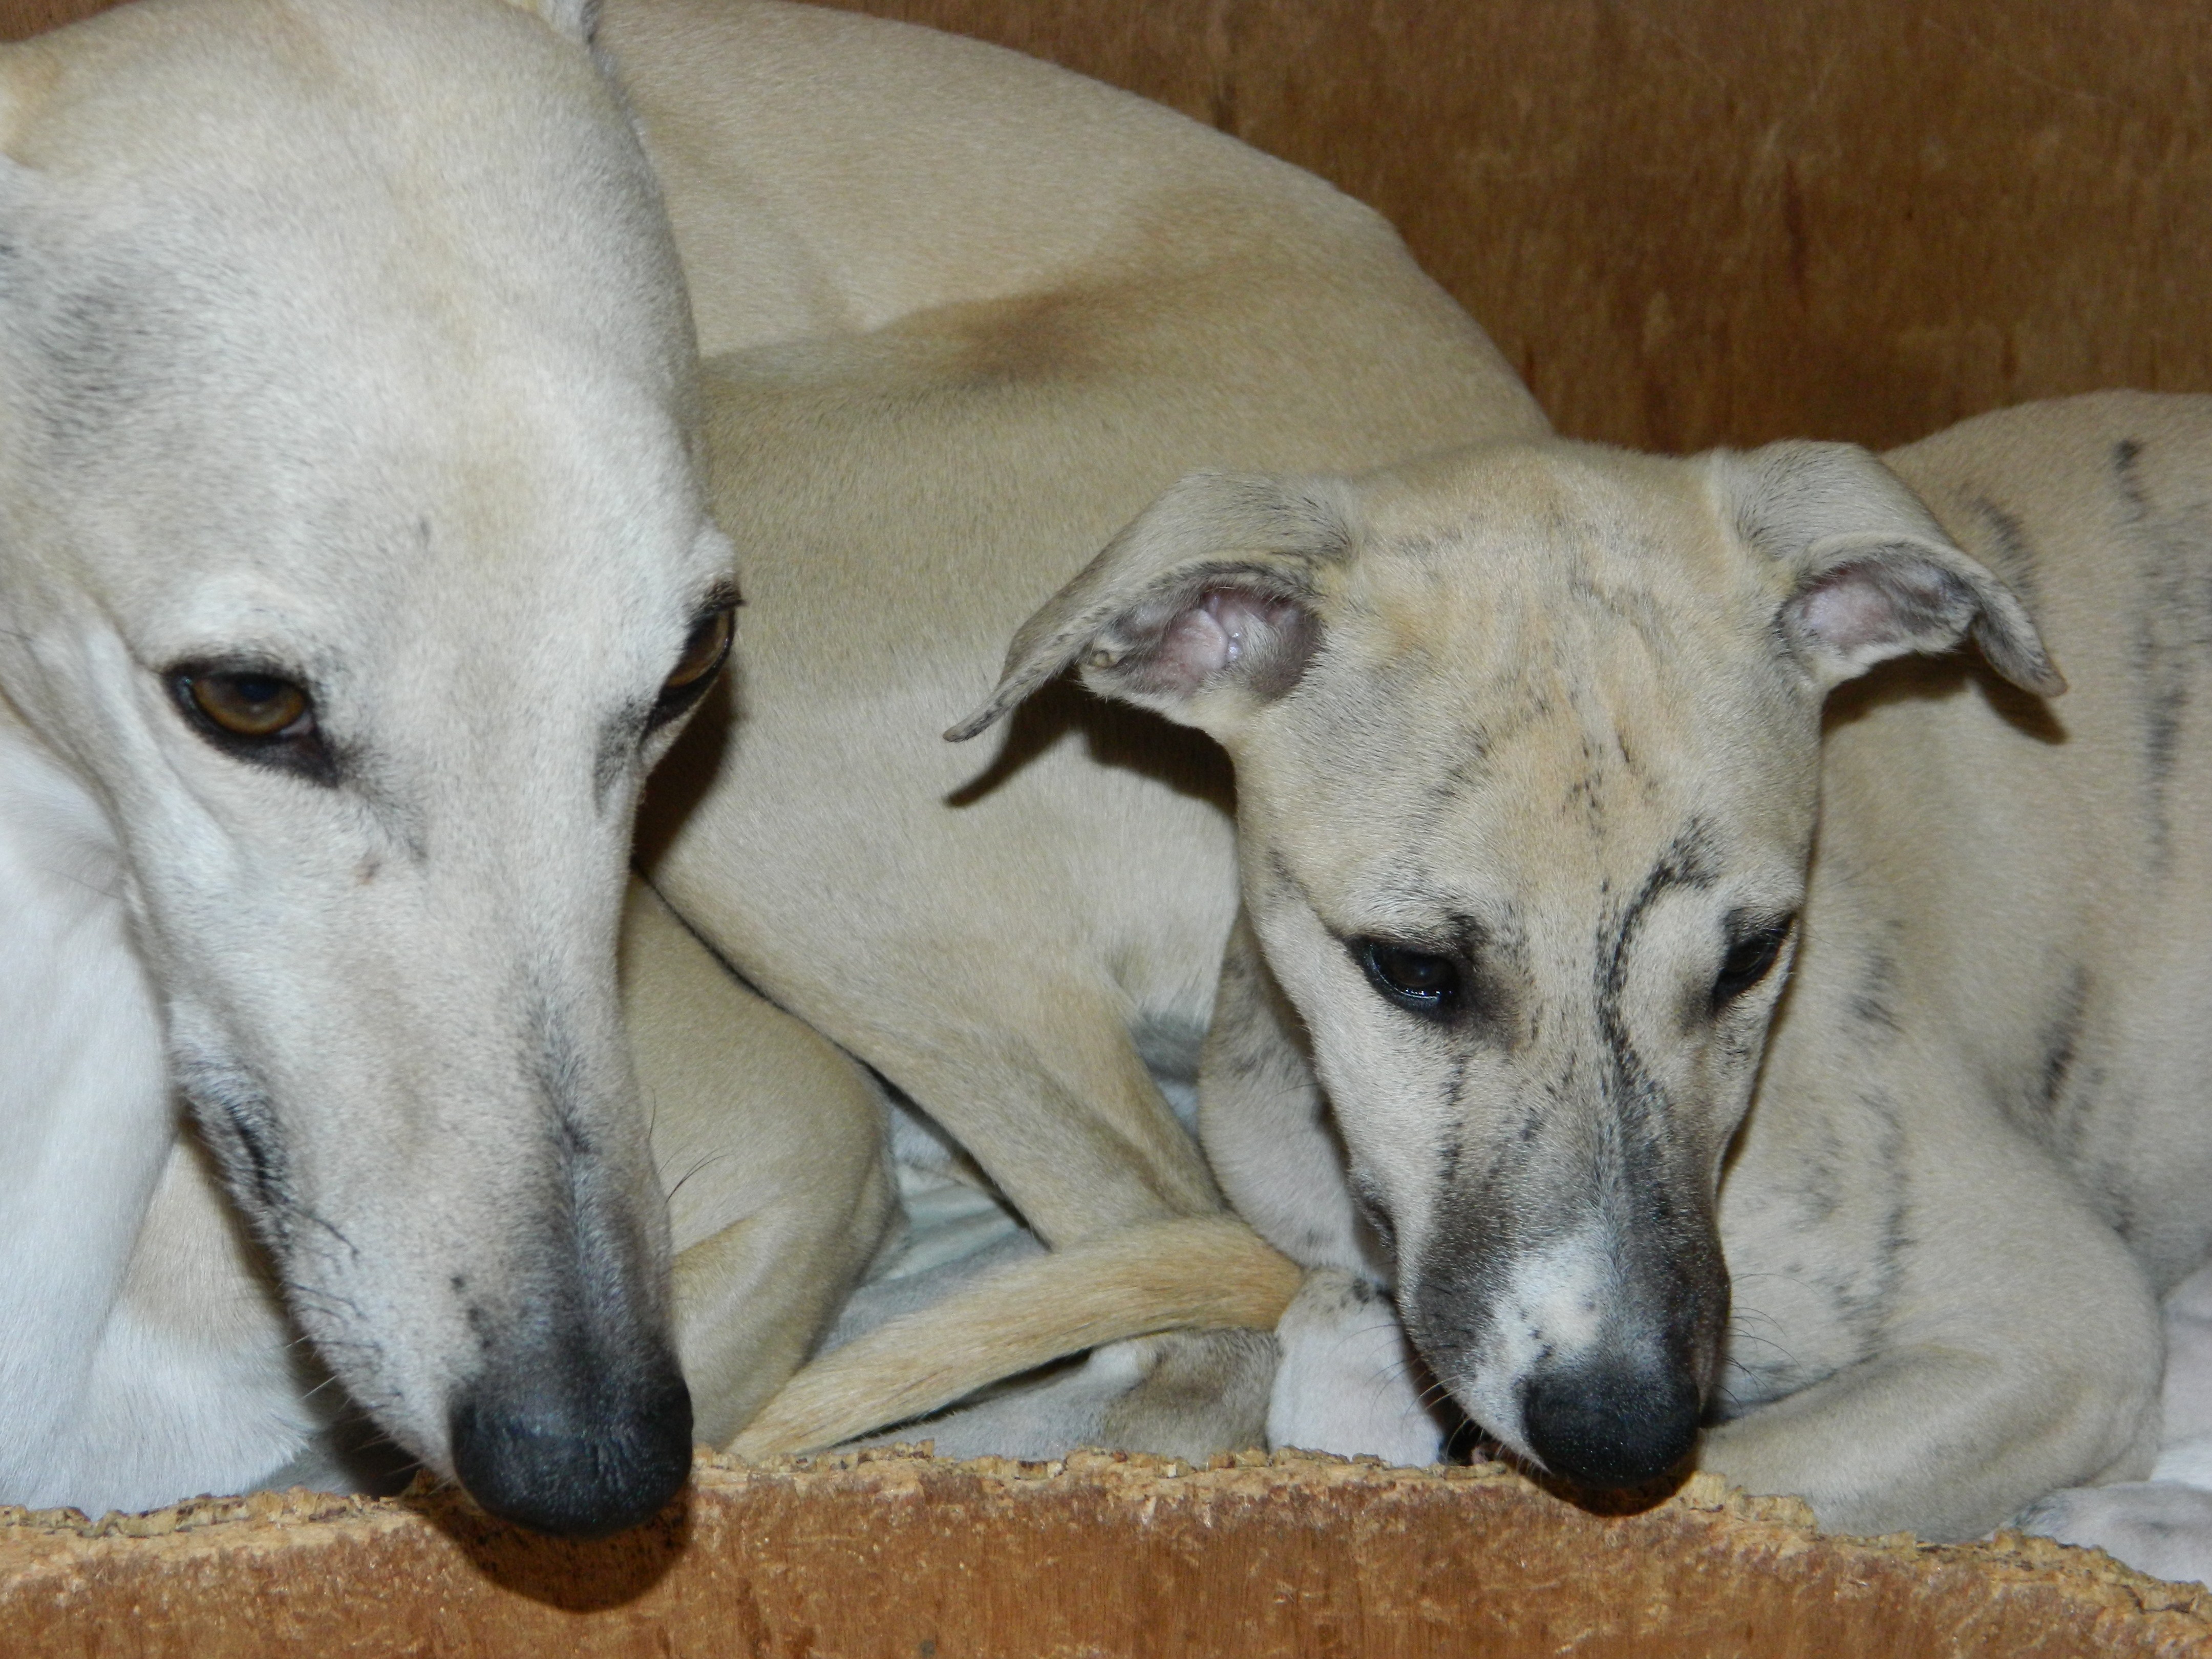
(1692, 221)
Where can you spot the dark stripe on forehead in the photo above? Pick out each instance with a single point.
(1688, 861)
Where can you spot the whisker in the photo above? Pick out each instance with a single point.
(706, 1163)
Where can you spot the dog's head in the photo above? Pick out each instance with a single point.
(1527, 762)
(350, 548)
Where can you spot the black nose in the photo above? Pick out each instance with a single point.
(576, 1456)
(1611, 1425)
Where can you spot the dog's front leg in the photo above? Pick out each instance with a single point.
(2162, 1525)
(771, 1145)
(2012, 1345)
(1347, 1380)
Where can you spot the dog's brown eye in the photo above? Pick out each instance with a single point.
(704, 650)
(249, 705)
(1414, 980)
(1748, 960)
(254, 715)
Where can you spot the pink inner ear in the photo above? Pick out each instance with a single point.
(1192, 649)
(1849, 608)
(1241, 614)
(1215, 633)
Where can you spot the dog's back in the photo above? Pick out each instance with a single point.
(2050, 860)
(1004, 307)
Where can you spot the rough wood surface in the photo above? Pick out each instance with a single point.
(22, 18)
(900, 1554)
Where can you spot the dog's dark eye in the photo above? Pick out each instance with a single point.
(1748, 960)
(1413, 979)
(704, 652)
(253, 715)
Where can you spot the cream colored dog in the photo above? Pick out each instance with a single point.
(1744, 1057)
(354, 570)
(968, 314)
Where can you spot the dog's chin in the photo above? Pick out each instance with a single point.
(1491, 1403)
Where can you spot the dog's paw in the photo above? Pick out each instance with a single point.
(1349, 1381)
(2186, 1461)
(2159, 1527)
(1200, 1392)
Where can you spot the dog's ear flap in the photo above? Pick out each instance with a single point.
(1870, 573)
(1202, 609)
(577, 19)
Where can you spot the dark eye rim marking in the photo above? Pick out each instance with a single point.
(254, 711)
(706, 650)
(1423, 982)
(1754, 946)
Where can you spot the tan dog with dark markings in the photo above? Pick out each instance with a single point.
(991, 382)
(1810, 1084)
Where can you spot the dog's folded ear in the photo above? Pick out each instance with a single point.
(577, 19)
(1870, 573)
(1202, 609)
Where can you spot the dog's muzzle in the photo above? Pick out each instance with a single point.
(1594, 1350)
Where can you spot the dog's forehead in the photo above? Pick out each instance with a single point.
(1544, 667)
(340, 292)
(1548, 516)
(371, 180)
(261, 87)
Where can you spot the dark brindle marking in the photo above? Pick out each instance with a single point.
(1874, 1004)
(2062, 1038)
(2173, 628)
(238, 1121)
(2015, 558)
(1688, 861)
